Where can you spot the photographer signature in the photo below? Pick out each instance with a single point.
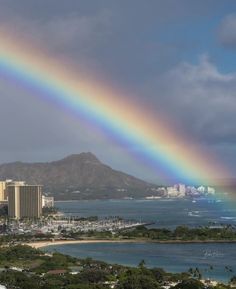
(212, 254)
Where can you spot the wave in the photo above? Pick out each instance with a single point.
(228, 218)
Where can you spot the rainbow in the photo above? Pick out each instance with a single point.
(128, 123)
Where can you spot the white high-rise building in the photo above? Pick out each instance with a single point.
(47, 202)
(172, 192)
(201, 189)
(182, 189)
(210, 190)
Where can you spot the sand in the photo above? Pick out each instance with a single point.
(42, 244)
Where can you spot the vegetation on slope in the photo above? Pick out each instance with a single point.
(25, 267)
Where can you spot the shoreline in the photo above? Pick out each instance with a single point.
(42, 244)
(124, 199)
(38, 245)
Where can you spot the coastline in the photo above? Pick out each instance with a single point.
(42, 244)
(38, 245)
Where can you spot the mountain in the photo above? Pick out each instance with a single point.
(78, 176)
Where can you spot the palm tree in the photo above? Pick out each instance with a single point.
(142, 264)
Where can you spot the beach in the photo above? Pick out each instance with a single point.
(178, 257)
(38, 245)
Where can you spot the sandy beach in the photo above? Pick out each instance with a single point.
(42, 244)
(38, 245)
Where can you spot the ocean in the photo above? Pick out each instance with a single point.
(163, 212)
(216, 261)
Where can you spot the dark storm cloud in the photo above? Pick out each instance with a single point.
(120, 37)
(136, 44)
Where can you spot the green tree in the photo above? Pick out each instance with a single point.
(189, 284)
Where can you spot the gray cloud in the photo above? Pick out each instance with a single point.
(129, 43)
(227, 31)
(199, 98)
(118, 38)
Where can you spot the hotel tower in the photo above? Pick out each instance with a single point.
(24, 201)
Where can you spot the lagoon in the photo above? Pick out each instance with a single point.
(216, 261)
(167, 213)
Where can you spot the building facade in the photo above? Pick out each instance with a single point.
(182, 190)
(24, 201)
(3, 191)
(47, 202)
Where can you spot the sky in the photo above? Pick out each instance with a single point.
(176, 57)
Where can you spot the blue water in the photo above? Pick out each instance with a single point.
(171, 257)
(165, 213)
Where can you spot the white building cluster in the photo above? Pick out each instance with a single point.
(181, 190)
